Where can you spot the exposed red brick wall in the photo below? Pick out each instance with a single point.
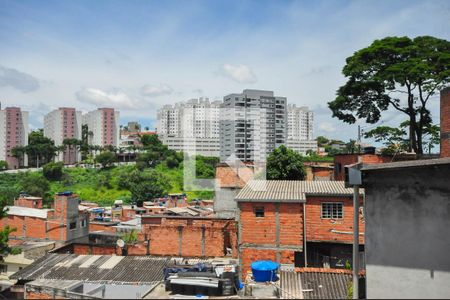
(319, 230)
(101, 227)
(41, 295)
(258, 233)
(257, 230)
(249, 255)
(235, 177)
(291, 224)
(34, 202)
(164, 238)
(54, 227)
(322, 173)
(348, 159)
(35, 227)
(81, 249)
(445, 122)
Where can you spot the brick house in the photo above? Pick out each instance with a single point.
(342, 160)
(272, 223)
(62, 223)
(189, 236)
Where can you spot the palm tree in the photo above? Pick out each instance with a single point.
(147, 128)
(69, 143)
(58, 150)
(19, 153)
(121, 151)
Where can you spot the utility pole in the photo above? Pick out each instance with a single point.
(359, 139)
(355, 268)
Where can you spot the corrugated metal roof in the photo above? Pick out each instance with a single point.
(27, 212)
(131, 269)
(407, 164)
(290, 190)
(314, 285)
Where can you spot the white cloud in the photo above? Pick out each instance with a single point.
(327, 127)
(238, 73)
(21, 81)
(156, 90)
(115, 98)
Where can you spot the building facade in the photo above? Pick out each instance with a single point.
(252, 125)
(103, 126)
(62, 223)
(13, 133)
(407, 238)
(191, 126)
(305, 223)
(60, 124)
(300, 126)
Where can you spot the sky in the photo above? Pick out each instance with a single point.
(136, 56)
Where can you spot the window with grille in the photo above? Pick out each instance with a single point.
(332, 210)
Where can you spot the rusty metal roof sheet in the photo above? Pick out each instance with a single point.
(290, 190)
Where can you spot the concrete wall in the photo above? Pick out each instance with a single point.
(224, 204)
(407, 232)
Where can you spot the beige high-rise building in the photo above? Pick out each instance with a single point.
(64, 123)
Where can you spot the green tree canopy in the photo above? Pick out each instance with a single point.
(34, 183)
(40, 149)
(106, 159)
(285, 164)
(3, 165)
(144, 185)
(394, 72)
(53, 171)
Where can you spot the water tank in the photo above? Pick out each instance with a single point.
(264, 270)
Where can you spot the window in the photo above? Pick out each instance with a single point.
(3, 268)
(73, 225)
(332, 210)
(259, 212)
(83, 223)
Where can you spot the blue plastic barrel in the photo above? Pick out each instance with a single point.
(264, 270)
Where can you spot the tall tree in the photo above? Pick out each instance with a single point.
(19, 153)
(285, 164)
(379, 75)
(40, 149)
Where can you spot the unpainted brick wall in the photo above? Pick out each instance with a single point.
(348, 159)
(319, 230)
(35, 295)
(94, 250)
(101, 227)
(191, 237)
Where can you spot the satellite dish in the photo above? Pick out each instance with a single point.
(120, 243)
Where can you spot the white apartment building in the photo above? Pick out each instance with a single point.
(13, 133)
(60, 124)
(252, 125)
(300, 125)
(103, 126)
(191, 126)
